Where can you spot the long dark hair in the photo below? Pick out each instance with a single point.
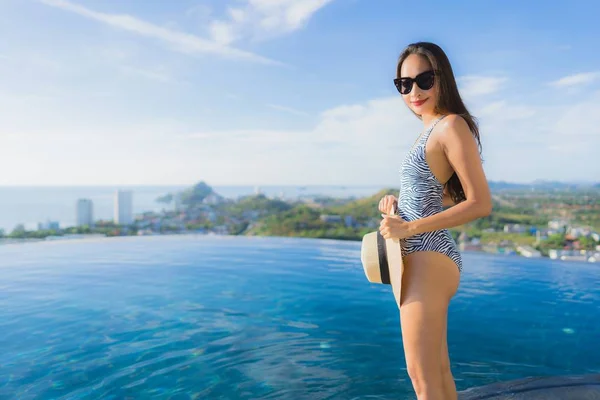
(449, 100)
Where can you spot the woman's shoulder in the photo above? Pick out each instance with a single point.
(455, 121)
(455, 129)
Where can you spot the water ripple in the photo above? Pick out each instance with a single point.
(181, 318)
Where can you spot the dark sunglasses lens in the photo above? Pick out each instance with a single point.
(397, 84)
(425, 81)
(405, 86)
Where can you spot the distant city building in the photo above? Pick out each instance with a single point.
(330, 218)
(514, 228)
(48, 226)
(528, 251)
(468, 244)
(85, 212)
(212, 199)
(568, 255)
(558, 224)
(349, 221)
(579, 232)
(123, 212)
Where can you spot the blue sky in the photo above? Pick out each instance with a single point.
(285, 91)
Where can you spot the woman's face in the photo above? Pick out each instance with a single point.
(420, 101)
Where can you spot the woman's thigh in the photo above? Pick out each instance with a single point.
(429, 282)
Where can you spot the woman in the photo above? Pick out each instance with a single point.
(442, 185)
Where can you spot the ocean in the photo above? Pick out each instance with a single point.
(209, 317)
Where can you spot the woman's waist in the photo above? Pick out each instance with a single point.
(413, 197)
(429, 238)
(420, 205)
(413, 213)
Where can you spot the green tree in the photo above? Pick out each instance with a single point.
(587, 243)
(166, 199)
(196, 194)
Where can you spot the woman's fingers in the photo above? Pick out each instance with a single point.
(386, 203)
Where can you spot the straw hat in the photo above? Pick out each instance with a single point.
(382, 259)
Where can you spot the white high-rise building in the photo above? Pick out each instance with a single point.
(85, 212)
(123, 207)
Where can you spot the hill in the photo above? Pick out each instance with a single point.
(348, 221)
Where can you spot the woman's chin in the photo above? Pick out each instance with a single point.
(421, 110)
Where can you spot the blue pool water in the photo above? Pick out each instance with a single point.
(193, 317)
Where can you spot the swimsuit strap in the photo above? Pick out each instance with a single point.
(428, 132)
(425, 134)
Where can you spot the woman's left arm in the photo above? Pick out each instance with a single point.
(462, 153)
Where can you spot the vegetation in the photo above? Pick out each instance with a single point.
(363, 209)
(258, 205)
(166, 199)
(196, 194)
(518, 214)
(107, 228)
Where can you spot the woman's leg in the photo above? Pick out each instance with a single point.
(447, 378)
(430, 280)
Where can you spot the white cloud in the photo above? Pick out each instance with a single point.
(261, 19)
(344, 147)
(222, 32)
(355, 143)
(253, 136)
(178, 41)
(362, 143)
(577, 79)
(475, 85)
(576, 123)
(554, 142)
(507, 111)
(365, 143)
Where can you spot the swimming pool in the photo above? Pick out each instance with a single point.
(196, 317)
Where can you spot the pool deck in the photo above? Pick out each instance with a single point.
(547, 388)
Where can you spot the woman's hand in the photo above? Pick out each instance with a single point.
(394, 227)
(386, 202)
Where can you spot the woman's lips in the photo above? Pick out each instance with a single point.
(419, 103)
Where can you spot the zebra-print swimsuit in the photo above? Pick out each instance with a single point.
(421, 196)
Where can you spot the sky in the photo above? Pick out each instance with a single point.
(285, 92)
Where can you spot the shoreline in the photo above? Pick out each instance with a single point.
(95, 237)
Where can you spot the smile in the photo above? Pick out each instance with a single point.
(419, 103)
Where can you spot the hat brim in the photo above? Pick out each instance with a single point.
(396, 267)
(381, 258)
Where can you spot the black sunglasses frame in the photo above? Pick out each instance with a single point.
(422, 81)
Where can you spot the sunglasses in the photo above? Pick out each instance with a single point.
(424, 81)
